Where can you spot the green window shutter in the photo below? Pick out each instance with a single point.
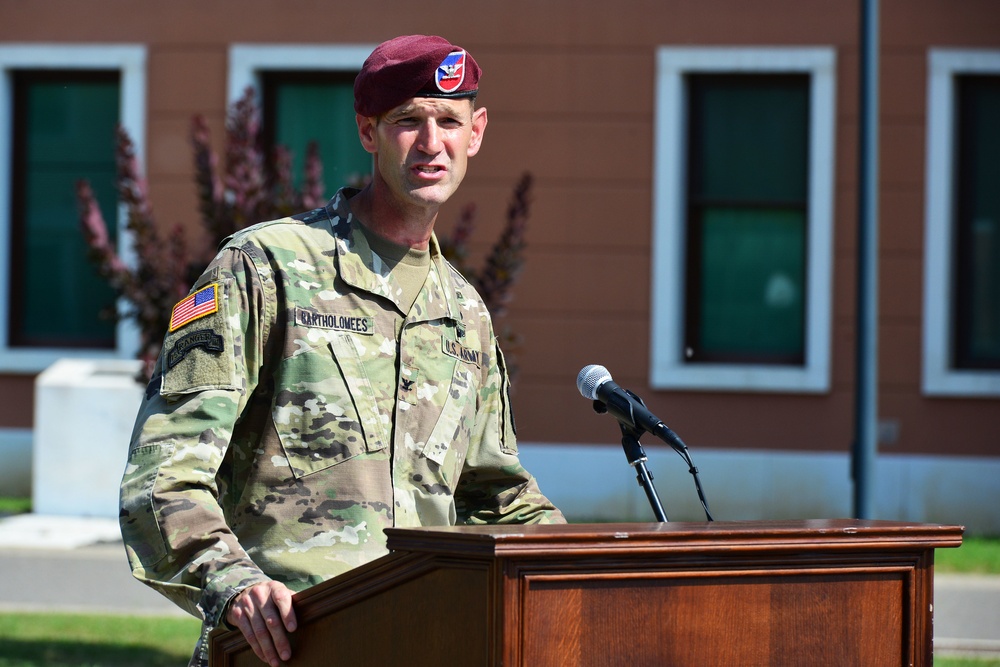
(300, 107)
(746, 216)
(977, 210)
(64, 131)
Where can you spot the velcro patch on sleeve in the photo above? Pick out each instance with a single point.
(203, 356)
(196, 305)
(203, 338)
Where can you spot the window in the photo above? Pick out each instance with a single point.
(977, 222)
(962, 249)
(743, 219)
(65, 124)
(301, 107)
(746, 218)
(306, 94)
(60, 106)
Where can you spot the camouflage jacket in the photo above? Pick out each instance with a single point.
(296, 412)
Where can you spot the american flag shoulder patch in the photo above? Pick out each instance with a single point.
(199, 304)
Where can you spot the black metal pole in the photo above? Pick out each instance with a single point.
(637, 459)
(866, 392)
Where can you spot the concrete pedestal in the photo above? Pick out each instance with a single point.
(84, 411)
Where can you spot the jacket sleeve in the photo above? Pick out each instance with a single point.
(494, 486)
(175, 532)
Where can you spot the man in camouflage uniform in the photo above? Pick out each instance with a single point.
(329, 376)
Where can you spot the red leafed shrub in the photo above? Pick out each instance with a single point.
(250, 187)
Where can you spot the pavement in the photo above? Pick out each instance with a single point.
(72, 564)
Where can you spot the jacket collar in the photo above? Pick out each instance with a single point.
(362, 269)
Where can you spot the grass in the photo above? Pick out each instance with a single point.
(977, 555)
(14, 505)
(86, 640)
(83, 640)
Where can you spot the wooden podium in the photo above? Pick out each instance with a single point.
(820, 592)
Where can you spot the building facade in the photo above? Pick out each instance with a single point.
(693, 226)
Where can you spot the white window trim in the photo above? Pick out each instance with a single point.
(668, 368)
(247, 61)
(939, 377)
(130, 61)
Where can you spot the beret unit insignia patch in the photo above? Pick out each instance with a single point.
(451, 72)
(199, 304)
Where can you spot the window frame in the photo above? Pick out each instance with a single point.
(939, 376)
(247, 61)
(668, 369)
(130, 62)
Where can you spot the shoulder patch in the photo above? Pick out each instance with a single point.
(199, 304)
(203, 338)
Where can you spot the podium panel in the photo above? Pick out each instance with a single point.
(367, 623)
(716, 620)
(823, 592)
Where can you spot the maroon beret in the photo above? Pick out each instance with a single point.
(414, 66)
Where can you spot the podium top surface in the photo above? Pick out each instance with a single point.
(512, 540)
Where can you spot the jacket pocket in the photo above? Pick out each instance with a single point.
(324, 408)
(139, 517)
(453, 429)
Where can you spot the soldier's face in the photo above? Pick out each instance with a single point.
(422, 147)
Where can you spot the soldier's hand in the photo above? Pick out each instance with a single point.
(264, 615)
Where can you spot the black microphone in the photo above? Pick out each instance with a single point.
(595, 383)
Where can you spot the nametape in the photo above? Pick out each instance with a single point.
(455, 349)
(358, 324)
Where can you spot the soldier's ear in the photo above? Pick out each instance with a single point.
(479, 119)
(367, 127)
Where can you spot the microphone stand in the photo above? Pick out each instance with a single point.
(636, 457)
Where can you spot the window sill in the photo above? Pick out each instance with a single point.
(749, 378)
(952, 383)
